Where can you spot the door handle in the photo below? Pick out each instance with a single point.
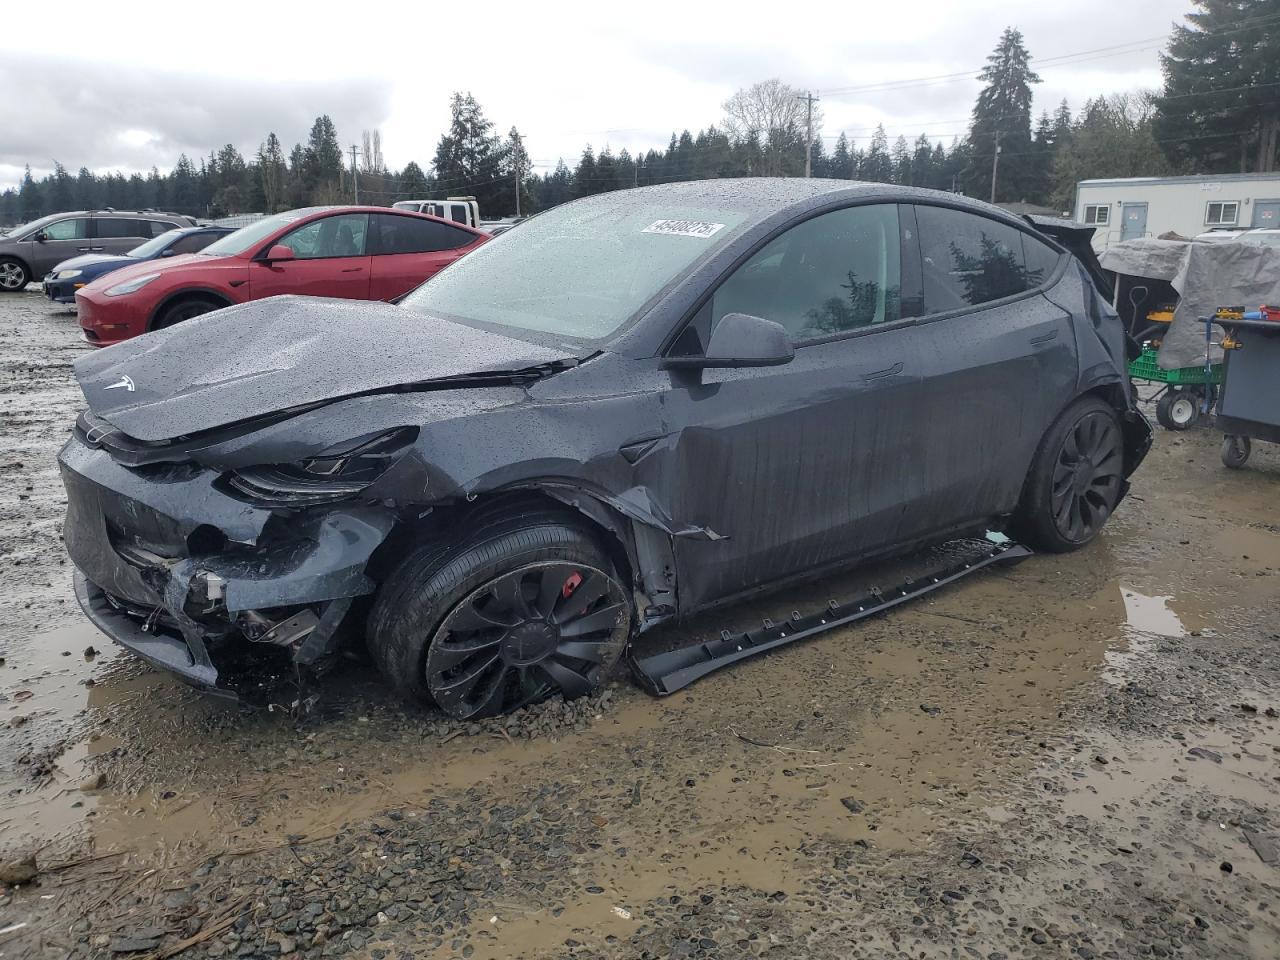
(886, 372)
(1045, 337)
(352, 269)
(83, 249)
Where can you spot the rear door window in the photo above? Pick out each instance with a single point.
(417, 235)
(114, 228)
(1041, 260)
(967, 259)
(837, 272)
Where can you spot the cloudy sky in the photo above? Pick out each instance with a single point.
(132, 85)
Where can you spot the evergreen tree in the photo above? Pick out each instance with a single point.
(584, 177)
(322, 163)
(841, 166)
(1220, 108)
(1113, 137)
(158, 188)
(923, 173)
(296, 182)
(627, 172)
(902, 162)
(413, 183)
(1002, 117)
(877, 166)
(61, 193)
(185, 192)
(470, 158)
(272, 173)
(820, 164)
(559, 186)
(606, 171)
(86, 190)
(30, 202)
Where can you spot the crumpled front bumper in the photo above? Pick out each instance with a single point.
(168, 565)
(154, 644)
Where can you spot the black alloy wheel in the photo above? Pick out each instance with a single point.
(524, 635)
(1087, 476)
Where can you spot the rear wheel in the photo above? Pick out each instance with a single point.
(14, 275)
(526, 609)
(1178, 409)
(183, 310)
(1075, 479)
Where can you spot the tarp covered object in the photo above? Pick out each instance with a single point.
(1206, 276)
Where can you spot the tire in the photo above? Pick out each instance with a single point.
(14, 275)
(519, 610)
(183, 309)
(1235, 451)
(1178, 409)
(1075, 480)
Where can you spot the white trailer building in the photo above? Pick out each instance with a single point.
(1150, 206)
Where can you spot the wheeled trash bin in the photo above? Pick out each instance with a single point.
(1249, 399)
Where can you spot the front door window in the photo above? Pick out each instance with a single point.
(341, 236)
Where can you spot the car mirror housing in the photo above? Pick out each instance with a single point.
(279, 252)
(742, 340)
(39, 236)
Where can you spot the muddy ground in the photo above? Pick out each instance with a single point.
(1078, 756)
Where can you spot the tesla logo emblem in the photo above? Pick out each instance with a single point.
(126, 382)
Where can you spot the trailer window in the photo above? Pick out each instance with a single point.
(1097, 214)
(1222, 214)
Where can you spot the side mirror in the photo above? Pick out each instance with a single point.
(39, 236)
(742, 340)
(279, 252)
(169, 253)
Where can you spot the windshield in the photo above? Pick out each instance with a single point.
(24, 228)
(581, 270)
(153, 246)
(246, 237)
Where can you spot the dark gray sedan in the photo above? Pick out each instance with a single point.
(635, 406)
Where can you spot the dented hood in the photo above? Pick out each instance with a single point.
(280, 353)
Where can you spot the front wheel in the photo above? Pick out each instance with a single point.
(183, 310)
(526, 609)
(1075, 479)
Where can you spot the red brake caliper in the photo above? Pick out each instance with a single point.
(570, 585)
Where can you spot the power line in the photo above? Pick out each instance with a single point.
(1080, 56)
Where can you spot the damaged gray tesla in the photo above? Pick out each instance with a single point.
(634, 407)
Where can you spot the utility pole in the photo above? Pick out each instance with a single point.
(355, 179)
(519, 144)
(995, 167)
(809, 100)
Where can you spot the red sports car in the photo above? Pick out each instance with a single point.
(356, 253)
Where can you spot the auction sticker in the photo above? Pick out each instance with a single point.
(684, 228)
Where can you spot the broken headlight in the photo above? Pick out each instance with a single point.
(342, 470)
